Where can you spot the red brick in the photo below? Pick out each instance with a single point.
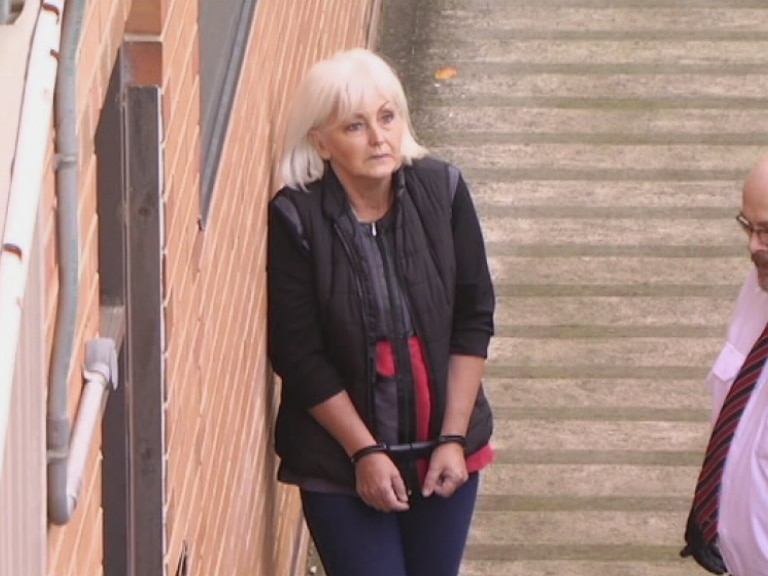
(147, 17)
(220, 460)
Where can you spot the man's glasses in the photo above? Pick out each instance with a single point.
(749, 229)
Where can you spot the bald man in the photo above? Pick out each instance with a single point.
(727, 529)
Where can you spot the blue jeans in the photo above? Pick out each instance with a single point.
(353, 539)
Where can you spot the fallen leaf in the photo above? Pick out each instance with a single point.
(446, 73)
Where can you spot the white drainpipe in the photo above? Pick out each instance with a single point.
(67, 145)
(100, 375)
(24, 197)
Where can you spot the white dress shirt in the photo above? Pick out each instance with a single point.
(743, 520)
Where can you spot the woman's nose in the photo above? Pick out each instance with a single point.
(375, 133)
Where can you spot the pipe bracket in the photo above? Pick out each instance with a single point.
(58, 432)
(101, 361)
(66, 160)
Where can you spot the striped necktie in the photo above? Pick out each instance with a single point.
(706, 501)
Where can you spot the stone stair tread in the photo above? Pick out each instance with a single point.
(616, 269)
(490, 190)
(596, 156)
(600, 435)
(443, 123)
(557, 17)
(680, 457)
(641, 394)
(587, 52)
(619, 231)
(581, 565)
(687, 351)
(481, 80)
(577, 482)
(579, 528)
(641, 314)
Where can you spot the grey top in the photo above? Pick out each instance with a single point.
(375, 245)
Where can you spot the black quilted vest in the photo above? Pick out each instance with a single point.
(426, 264)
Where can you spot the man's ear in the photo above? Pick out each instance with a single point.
(319, 143)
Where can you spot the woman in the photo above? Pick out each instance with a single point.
(381, 312)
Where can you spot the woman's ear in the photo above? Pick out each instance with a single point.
(318, 142)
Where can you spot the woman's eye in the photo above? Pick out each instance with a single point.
(354, 127)
(387, 117)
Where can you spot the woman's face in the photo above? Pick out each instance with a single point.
(364, 149)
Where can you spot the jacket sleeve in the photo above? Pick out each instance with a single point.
(295, 341)
(475, 301)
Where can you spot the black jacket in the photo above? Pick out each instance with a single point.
(319, 323)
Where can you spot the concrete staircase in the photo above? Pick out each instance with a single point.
(605, 142)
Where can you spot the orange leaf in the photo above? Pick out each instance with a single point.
(446, 73)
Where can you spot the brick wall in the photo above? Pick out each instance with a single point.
(77, 548)
(223, 501)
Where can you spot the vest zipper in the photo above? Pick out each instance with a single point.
(370, 361)
(403, 357)
(435, 423)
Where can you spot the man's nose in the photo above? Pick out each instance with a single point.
(755, 244)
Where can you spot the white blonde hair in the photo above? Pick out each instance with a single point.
(334, 90)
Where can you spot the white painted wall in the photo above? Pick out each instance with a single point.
(23, 523)
(15, 40)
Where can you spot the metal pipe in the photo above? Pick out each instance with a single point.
(67, 168)
(25, 191)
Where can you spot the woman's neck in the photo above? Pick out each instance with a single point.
(371, 204)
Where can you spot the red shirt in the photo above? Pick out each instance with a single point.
(386, 366)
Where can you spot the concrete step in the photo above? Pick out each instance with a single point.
(611, 231)
(595, 371)
(638, 394)
(579, 481)
(580, 564)
(561, 248)
(564, 333)
(617, 270)
(614, 17)
(659, 526)
(590, 457)
(614, 315)
(551, 193)
(598, 435)
(589, 414)
(585, 156)
(637, 290)
(444, 124)
(649, 213)
(578, 178)
(633, 52)
(607, 351)
(484, 83)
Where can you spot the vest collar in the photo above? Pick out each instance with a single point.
(335, 202)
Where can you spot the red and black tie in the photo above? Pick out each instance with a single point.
(706, 501)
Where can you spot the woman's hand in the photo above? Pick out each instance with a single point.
(379, 483)
(447, 471)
